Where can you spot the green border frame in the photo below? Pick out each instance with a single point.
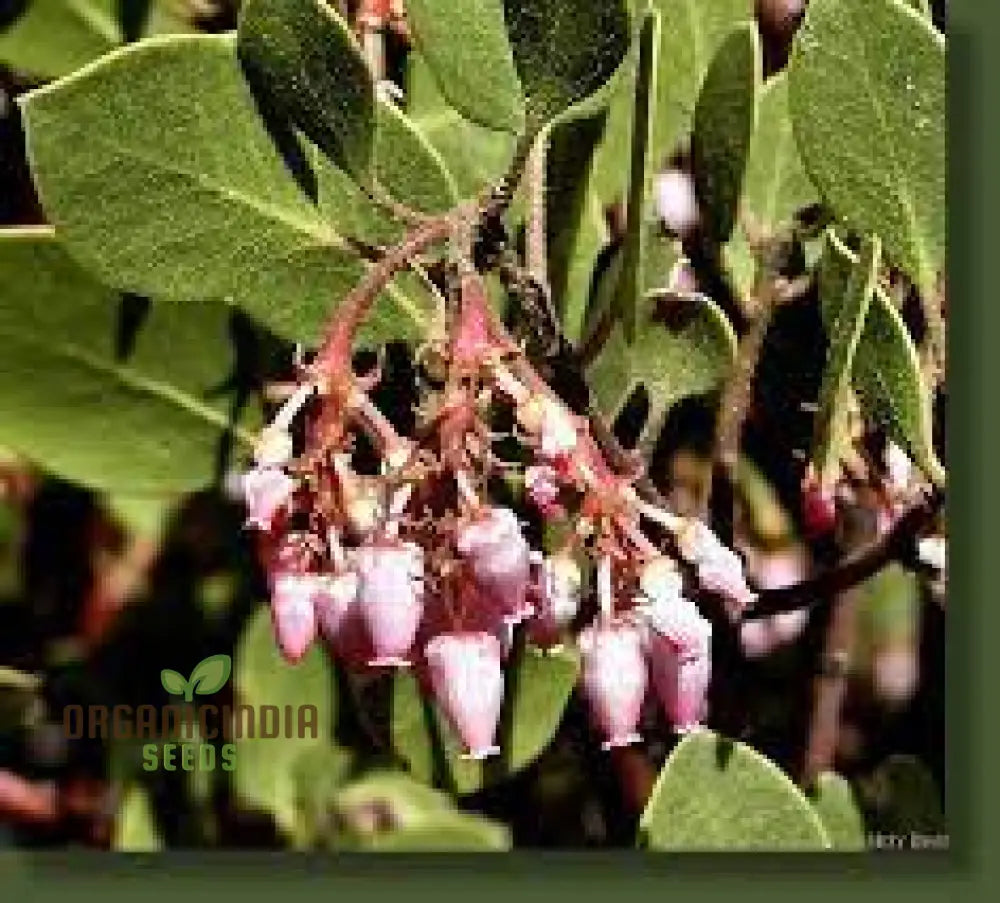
(970, 864)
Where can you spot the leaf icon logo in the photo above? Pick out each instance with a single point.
(209, 676)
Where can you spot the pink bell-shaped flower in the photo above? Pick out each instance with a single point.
(467, 680)
(265, 490)
(390, 596)
(681, 683)
(501, 561)
(678, 645)
(678, 621)
(293, 611)
(335, 602)
(614, 679)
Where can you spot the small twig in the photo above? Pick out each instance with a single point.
(737, 394)
(831, 683)
(830, 688)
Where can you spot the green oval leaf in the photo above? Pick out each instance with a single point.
(846, 325)
(52, 37)
(125, 396)
(462, 833)
(684, 346)
(419, 818)
(409, 167)
(499, 61)
(474, 156)
(724, 122)
(718, 794)
(631, 285)
(210, 674)
(464, 42)
(867, 98)
(412, 739)
(565, 50)
(173, 682)
(837, 808)
(134, 828)
(775, 187)
(49, 38)
(543, 682)
(886, 373)
(305, 59)
(265, 775)
(180, 191)
(692, 33)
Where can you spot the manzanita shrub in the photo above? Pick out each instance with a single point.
(422, 287)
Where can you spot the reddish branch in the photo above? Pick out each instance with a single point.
(896, 545)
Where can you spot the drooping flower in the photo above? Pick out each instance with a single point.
(614, 679)
(467, 680)
(677, 643)
(681, 680)
(678, 621)
(335, 601)
(293, 611)
(390, 596)
(501, 561)
(265, 490)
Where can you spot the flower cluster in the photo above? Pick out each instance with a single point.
(416, 566)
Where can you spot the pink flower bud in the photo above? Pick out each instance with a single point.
(293, 612)
(541, 484)
(467, 680)
(266, 490)
(390, 595)
(720, 569)
(660, 581)
(675, 200)
(501, 561)
(681, 683)
(614, 679)
(819, 509)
